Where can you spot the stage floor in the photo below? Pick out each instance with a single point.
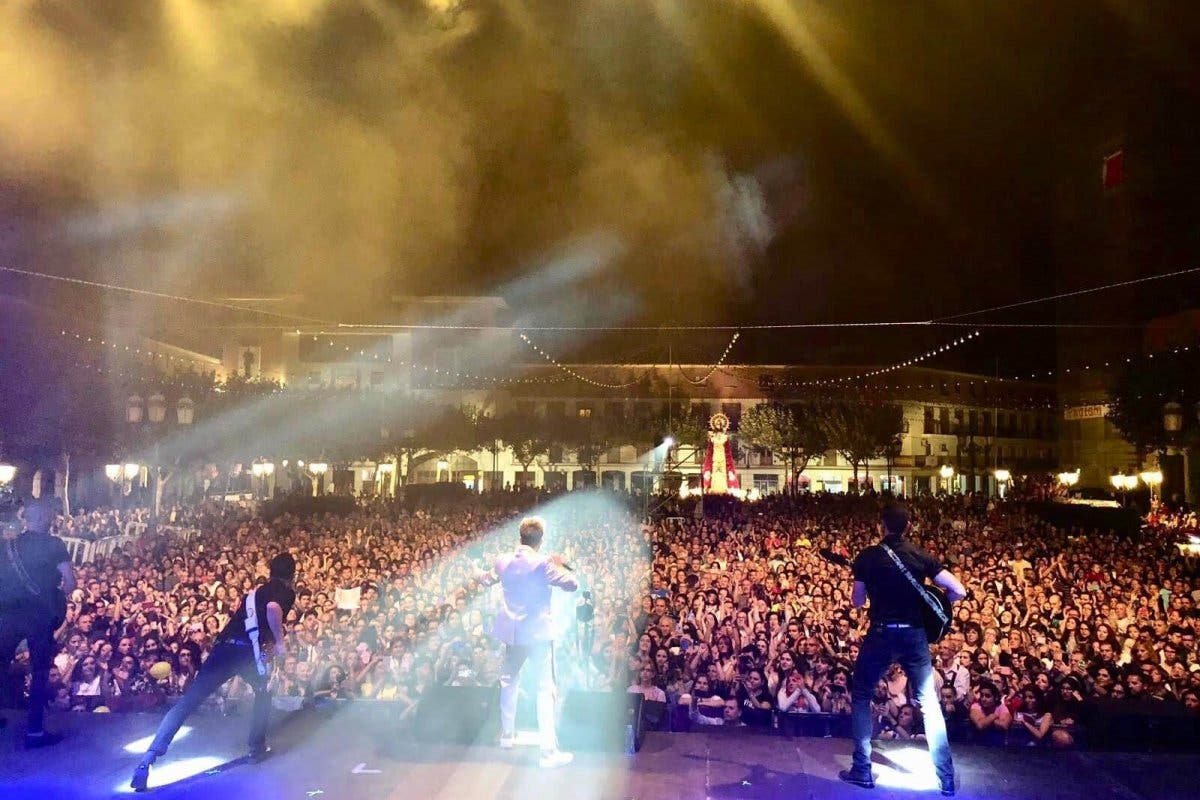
(355, 753)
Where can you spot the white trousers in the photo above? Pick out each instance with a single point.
(539, 659)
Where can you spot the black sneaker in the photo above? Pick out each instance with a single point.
(141, 777)
(258, 755)
(43, 739)
(863, 779)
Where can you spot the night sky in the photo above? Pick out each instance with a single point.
(666, 161)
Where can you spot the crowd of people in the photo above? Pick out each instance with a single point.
(737, 619)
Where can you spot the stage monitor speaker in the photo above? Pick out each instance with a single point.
(601, 722)
(460, 714)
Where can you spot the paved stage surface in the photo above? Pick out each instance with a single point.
(357, 754)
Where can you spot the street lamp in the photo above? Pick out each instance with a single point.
(947, 472)
(1123, 483)
(134, 409)
(1153, 478)
(185, 411)
(316, 469)
(262, 471)
(1002, 476)
(1068, 479)
(384, 472)
(1172, 417)
(156, 408)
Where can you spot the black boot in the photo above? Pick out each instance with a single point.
(863, 779)
(141, 775)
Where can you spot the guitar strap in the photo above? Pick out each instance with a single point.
(920, 589)
(252, 624)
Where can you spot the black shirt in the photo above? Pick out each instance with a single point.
(270, 592)
(40, 554)
(892, 597)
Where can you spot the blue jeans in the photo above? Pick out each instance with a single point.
(225, 661)
(910, 648)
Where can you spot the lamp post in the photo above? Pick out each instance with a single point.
(1068, 479)
(385, 473)
(1002, 476)
(1153, 479)
(1123, 483)
(148, 418)
(317, 470)
(947, 473)
(262, 471)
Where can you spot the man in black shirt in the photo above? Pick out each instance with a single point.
(255, 630)
(897, 634)
(35, 570)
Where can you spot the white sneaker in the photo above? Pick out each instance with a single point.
(508, 741)
(556, 759)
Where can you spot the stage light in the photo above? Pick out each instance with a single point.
(913, 770)
(7, 473)
(669, 442)
(175, 771)
(131, 471)
(139, 746)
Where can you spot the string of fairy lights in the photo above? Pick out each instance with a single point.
(1099, 365)
(848, 379)
(209, 363)
(463, 378)
(720, 361)
(576, 375)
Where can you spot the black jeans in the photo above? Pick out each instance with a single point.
(225, 661)
(910, 648)
(35, 627)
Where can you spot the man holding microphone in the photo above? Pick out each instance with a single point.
(525, 625)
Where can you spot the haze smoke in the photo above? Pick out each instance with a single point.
(351, 149)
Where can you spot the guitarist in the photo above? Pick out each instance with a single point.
(35, 570)
(244, 648)
(897, 634)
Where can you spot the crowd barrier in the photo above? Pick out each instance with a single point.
(85, 551)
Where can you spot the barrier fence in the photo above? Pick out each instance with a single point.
(85, 551)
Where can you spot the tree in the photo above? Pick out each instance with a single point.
(794, 432)
(489, 435)
(436, 431)
(592, 437)
(524, 432)
(861, 429)
(1140, 391)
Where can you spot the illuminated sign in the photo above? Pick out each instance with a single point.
(1099, 411)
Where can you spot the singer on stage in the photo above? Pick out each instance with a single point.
(525, 625)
